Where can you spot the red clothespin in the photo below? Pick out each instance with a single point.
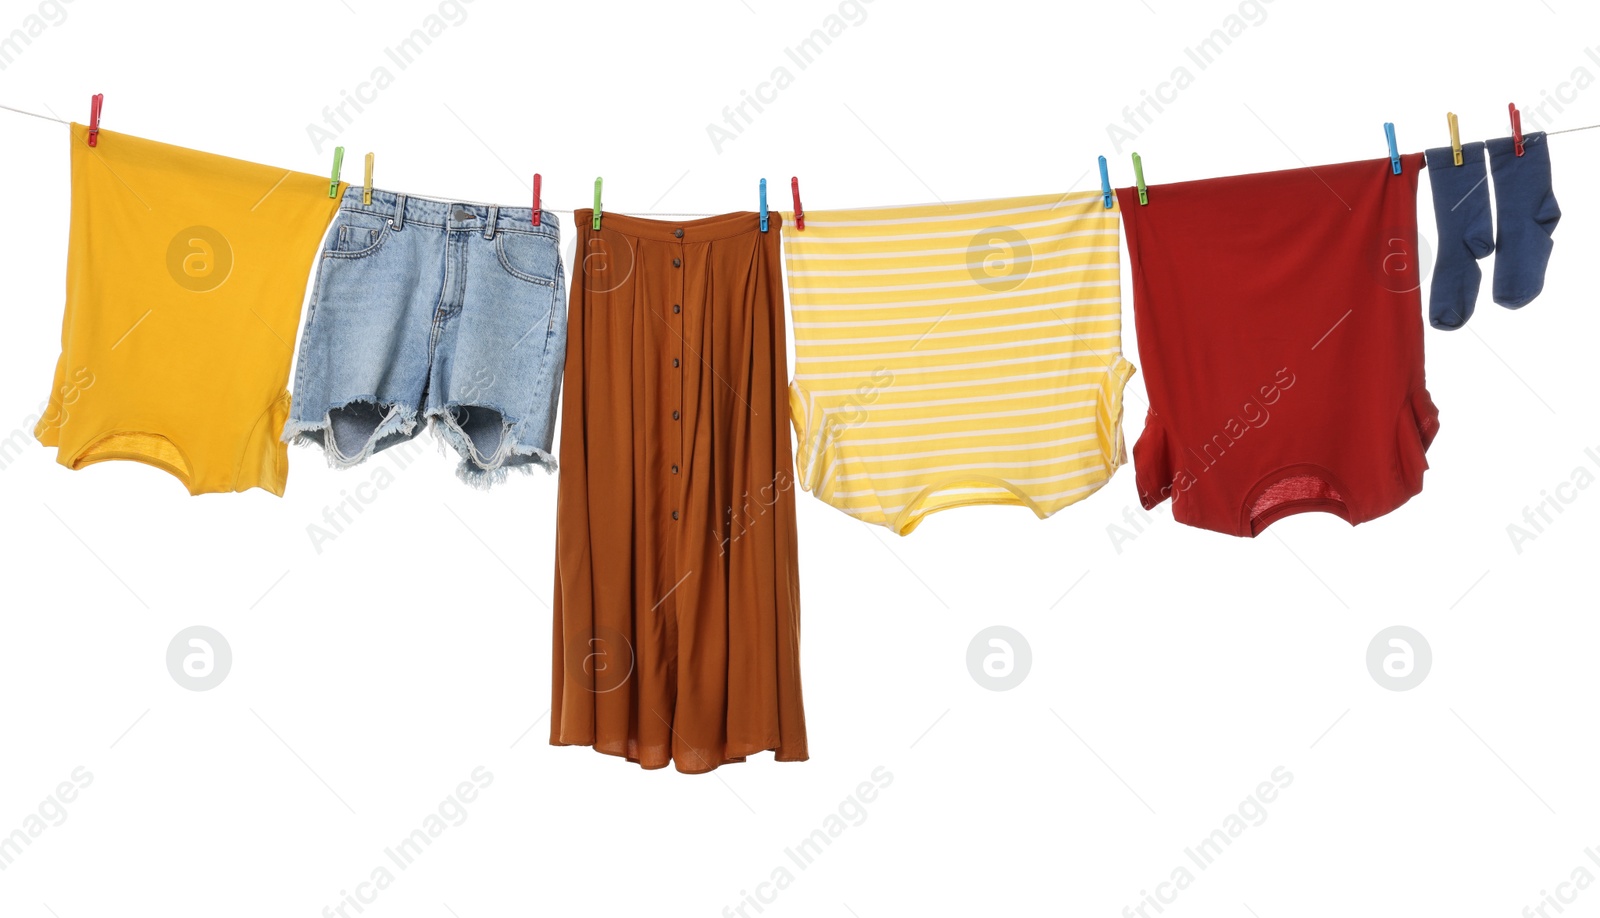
(95, 103)
(799, 212)
(536, 182)
(1516, 127)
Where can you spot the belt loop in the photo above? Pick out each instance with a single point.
(398, 221)
(494, 217)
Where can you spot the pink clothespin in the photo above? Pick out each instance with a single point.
(799, 212)
(1516, 127)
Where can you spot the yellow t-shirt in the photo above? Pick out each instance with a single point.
(957, 354)
(185, 275)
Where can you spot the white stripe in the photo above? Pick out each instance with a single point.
(969, 466)
(929, 269)
(915, 320)
(986, 330)
(969, 434)
(908, 354)
(922, 253)
(838, 456)
(906, 237)
(923, 422)
(797, 307)
(943, 218)
(963, 450)
(969, 282)
(1019, 482)
(961, 384)
(916, 371)
(881, 405)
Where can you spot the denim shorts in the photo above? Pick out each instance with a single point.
(434, 313)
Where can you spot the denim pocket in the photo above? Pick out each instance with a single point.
(357, 234)
(531, 257)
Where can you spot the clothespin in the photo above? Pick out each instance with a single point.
(597, 203)
(366, 185)
(338, 163)
(763, 205)
(96, 101)
(1105, 182)
(536, 210)
(799, 212)
(1394, 150)
(1516, 127)
(1138, 177)
(1455, 136)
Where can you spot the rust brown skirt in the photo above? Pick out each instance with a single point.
(677, 599)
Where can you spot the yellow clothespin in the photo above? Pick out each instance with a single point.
(1455, 137)
(366, 187)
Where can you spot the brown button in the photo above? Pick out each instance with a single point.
(674, 470)
(677, 262)
(674, 415)
(675, 513)
(678, 232)
(674, 361)
(676, 308)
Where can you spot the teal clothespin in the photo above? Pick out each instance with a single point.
(763, 205)
(1105, 182)
(1394, 150)
(338, 163)
(597, 202)
(1138, 176)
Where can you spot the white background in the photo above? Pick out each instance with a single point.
(1168, 679)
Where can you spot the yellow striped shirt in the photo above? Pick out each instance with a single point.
(948, 355)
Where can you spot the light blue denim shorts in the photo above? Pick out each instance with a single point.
(434, 313)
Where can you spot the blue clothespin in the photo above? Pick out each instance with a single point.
(1105, 182)
(1394, 151)
(763, 205)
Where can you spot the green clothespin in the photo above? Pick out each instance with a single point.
(338, 163)
(1138, 176)
(597, 202)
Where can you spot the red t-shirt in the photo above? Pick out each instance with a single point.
(1279, 320)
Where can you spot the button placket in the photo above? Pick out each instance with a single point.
(676, 324)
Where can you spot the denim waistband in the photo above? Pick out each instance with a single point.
(402, 209)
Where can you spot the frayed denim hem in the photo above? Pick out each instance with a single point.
(399, 422)
(477, 470)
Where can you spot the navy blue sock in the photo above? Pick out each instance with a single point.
(1461, 211)
(1526, 214)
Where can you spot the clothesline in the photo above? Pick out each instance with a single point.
(659, 213)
